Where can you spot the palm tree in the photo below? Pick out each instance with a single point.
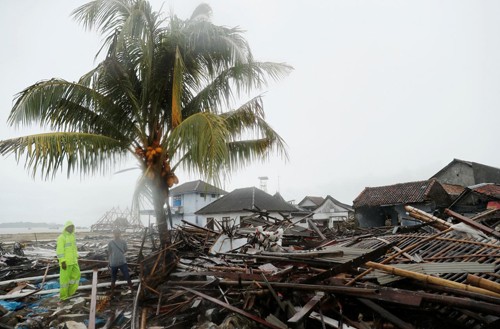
(164, 94)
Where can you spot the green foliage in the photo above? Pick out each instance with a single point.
(165, 82)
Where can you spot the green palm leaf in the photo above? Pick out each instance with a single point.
(48, 153)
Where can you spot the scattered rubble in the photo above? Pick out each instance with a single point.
(268, 272)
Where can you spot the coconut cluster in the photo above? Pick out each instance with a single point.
(151, 156)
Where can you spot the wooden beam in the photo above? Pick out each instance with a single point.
(304, 311)
(386, 314)
(232, 308)
(472, 223)
(315, 229)
(93, 299)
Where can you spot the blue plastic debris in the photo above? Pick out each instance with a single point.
(53, 284)
(98, 321)
(11, 306)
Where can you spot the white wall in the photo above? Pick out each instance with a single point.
(191, 203)
(333, 212)
(234, 217)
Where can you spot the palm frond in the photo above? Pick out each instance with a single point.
(61, 105)
(177, 89)
(241, 78)
(201, 139)
(49, 153)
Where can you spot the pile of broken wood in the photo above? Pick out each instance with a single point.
(436, 275)
(267, 272)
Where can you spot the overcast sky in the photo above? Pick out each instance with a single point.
(382, 92)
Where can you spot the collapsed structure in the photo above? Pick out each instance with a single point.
(284, 268)
(116, 218)
(438, 273)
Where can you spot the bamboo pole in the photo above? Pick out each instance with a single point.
(483, 283)
(388, 259)
(428, 218)
(430, 279)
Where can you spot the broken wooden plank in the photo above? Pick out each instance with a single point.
(472, 223)
(271, 289)
(304, 311)
(93, 299)
(315, 229)
(386, 314)
(232, 308)
(329, 321)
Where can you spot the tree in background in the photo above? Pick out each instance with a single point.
(164, 94)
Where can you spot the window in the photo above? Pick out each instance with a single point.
(210, 223)
(177, 201)
(202, 195)
(225, 221)
(214, 196)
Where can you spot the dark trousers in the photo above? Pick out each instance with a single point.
(123, 268)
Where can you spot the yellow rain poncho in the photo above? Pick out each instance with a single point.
(67, 253)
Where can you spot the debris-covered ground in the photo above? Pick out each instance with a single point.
(272, 273)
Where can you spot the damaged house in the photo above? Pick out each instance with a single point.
(384, 205)
(240, 202)
(467, 173)
(311, 202)
(332, 211)
(478, 198)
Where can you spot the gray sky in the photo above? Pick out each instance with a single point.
(382, 92)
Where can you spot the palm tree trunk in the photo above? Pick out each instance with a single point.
(159, 200)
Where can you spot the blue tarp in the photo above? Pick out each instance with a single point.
(11, 306)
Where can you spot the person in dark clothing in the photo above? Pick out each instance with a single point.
(117, 261)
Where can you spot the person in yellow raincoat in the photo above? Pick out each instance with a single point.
(67, 255)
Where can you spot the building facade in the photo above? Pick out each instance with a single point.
(188, 198)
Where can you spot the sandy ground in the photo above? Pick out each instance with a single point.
(8, 238)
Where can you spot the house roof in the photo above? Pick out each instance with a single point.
(492, 190)
(452, 189)
(197, 186)
(278, 196)
(482, 173)
(246, 198)
(403, 193)
(468, 163)
(317, 200)
(337, 202)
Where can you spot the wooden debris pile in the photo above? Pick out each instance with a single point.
(269, 272)
(430, 277)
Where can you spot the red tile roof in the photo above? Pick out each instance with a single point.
(453, 190)
(492, 190)
(404, 193)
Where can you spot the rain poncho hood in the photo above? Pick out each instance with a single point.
(68, 223)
